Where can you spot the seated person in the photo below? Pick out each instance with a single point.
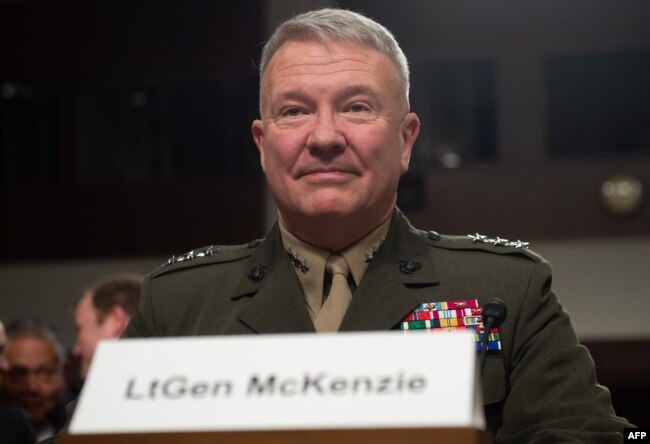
(14, 428)
(34, 381)
(103, 313)
(334, 136)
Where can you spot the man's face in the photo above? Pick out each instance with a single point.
(89, 332)
(34, 382)
(335, 134)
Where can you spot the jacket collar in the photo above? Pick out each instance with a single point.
(276, 302)
(384, 296)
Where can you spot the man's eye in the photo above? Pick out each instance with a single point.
(358, 108)
(291, 112)
(17, 372)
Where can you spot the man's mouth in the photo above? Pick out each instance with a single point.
(328, 175)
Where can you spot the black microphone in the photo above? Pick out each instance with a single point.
(494, 313)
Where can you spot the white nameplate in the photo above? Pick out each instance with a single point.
(305, 381)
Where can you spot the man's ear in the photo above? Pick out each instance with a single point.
(410, 130)
(115, 321)
(258, 137)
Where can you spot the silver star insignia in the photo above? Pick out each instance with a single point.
(477, 237)
(519, 244)
(499, 241)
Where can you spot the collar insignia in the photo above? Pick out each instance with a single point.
(375, 249)
(298, 263)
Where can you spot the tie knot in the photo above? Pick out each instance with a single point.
(336, 264)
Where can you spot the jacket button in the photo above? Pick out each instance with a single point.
(433, 235)
(408, 266)
(257, 273)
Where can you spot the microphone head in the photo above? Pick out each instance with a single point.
(495, 309)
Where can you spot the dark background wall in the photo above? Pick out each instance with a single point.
(143, 109)
(130, 120)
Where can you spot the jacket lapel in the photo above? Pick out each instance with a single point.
(387, 294)
(276, 303)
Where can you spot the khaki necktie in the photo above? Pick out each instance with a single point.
(331, 313)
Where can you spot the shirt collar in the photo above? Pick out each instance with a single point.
(309, 265)
(359, 255)
(309, 260)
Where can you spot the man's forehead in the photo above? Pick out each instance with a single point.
(297, 61)
(85, 304)
(317, 54)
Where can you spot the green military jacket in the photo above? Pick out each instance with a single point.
(541, 387)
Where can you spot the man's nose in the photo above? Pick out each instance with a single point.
(326, 137)
(31, 382)
(76, 348)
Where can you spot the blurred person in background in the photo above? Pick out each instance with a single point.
(103, 312)
(14, 428)
(34, 378)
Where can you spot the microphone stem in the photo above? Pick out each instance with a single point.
(487, 326)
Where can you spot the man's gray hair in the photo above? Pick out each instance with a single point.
(331, 24)
(33, 328)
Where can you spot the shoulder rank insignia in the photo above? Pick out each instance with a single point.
(440, 317)
(497, 241)
(190, 255)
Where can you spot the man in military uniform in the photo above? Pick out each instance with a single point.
(334, 137)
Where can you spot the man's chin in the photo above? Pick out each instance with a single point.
(331, 203)
(83, 370)
(329, 212)
(35, 416)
